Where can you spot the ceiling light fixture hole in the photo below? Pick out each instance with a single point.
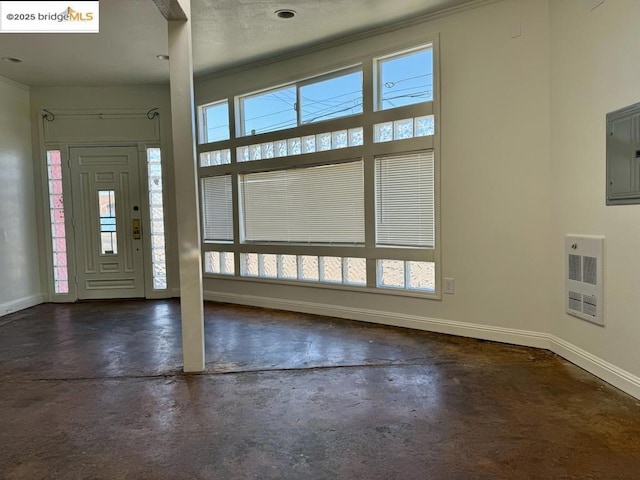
(285, 13)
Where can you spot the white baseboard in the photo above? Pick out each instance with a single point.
(451, 327)
(608, 372)
(20, 304)
(616, 376)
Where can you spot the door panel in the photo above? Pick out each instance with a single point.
(106, 203)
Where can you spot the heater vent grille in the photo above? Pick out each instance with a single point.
(575, 301)
(590, 305)
(590, 270)
(583, 286)
(575, 267)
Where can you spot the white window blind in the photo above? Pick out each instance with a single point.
(217, 208)
(405, 200)
(307, 205)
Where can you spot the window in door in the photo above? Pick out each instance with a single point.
(107, 215)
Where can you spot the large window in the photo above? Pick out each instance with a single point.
(346, 197)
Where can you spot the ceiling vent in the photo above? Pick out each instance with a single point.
(584, 292)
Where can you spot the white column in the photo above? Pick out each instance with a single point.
(186, 178)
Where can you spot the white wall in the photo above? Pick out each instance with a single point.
(20, 273)
(595, 69)
(113, 98)
(495, 176)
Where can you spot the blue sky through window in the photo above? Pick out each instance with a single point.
(270, 111)
(332, 98)
(405, 79)
(217, 122)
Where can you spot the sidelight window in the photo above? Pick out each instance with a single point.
(58, 235)
(158, 250)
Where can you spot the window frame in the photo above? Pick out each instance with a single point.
(377, 106)
(202, 121)
(297, 85)
(368, 152)
(204, 210)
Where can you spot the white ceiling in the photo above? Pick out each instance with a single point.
(226, 33)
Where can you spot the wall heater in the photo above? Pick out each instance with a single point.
(584, 290)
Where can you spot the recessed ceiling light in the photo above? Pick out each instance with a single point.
(12, 59)
(162, 57)
(285, 13)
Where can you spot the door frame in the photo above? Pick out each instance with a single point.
(72, 264)
(63, 128)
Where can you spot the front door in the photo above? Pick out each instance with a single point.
(108, 231)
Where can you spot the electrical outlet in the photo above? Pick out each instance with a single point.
(449, 286)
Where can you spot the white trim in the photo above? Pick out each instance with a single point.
(616, 376)
(21, 304)
(451, 327)
(13, 83)
(602, 369)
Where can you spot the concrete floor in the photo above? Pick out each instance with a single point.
(94, 391)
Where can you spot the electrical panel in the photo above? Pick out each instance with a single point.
(623, 156)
